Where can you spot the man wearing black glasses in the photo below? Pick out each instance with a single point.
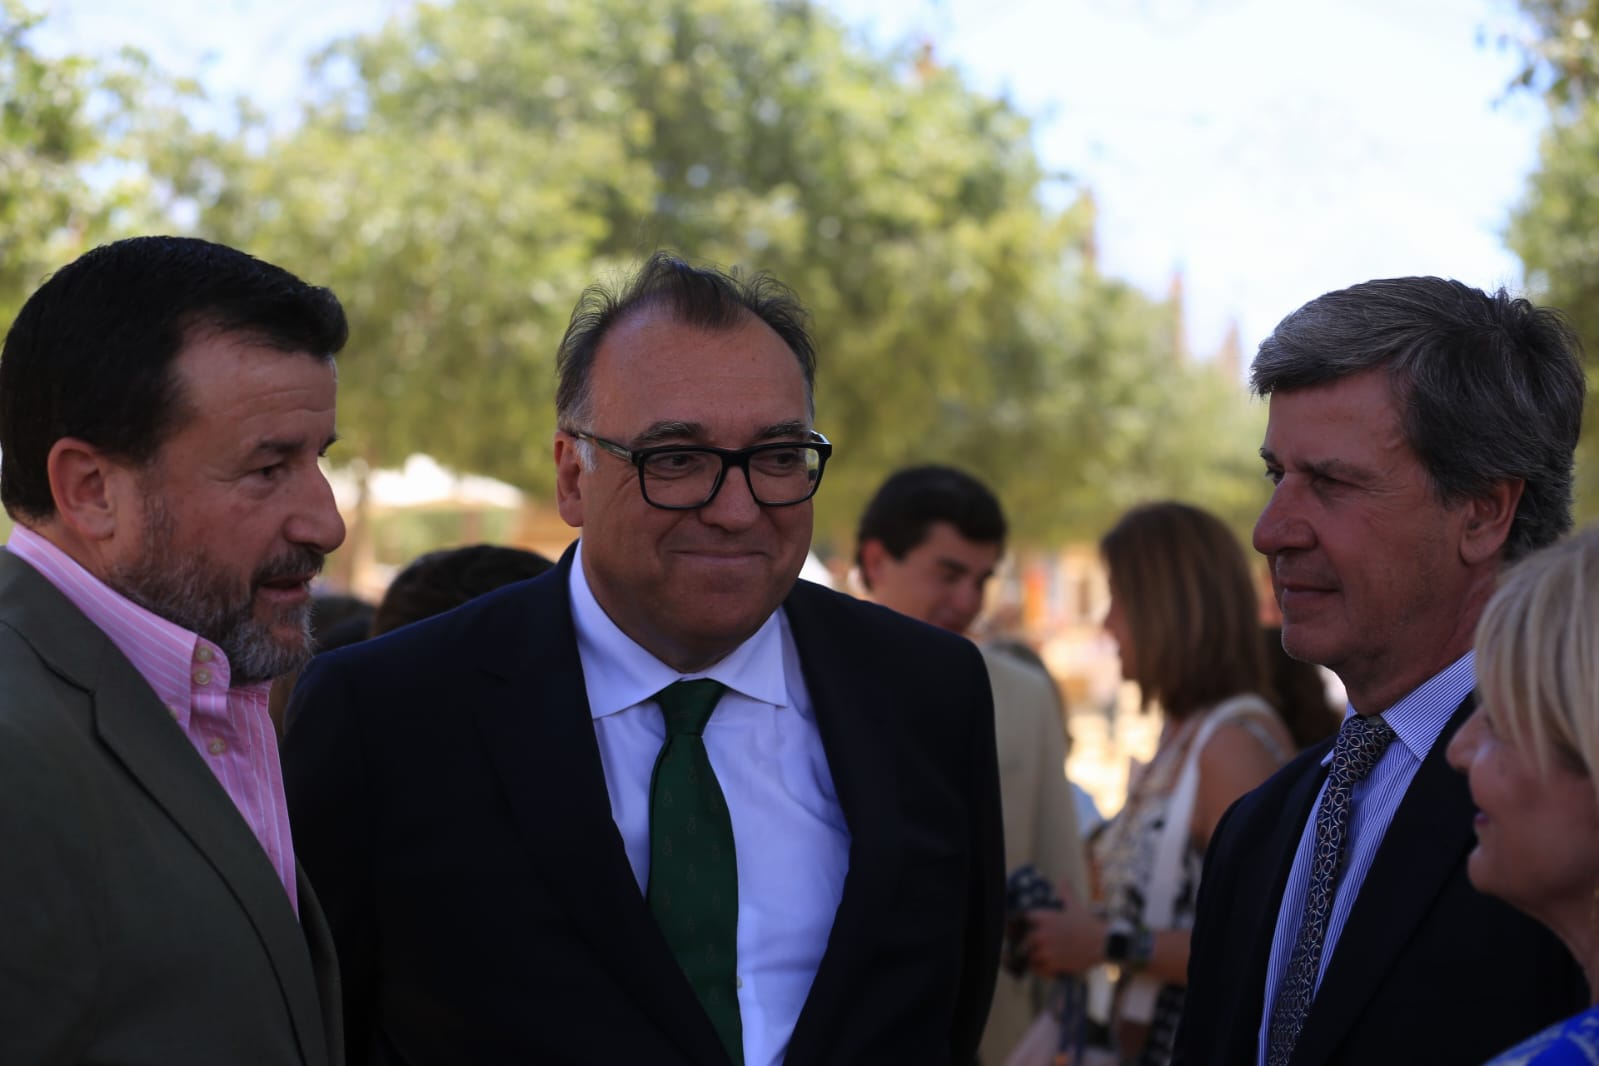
(667, 803)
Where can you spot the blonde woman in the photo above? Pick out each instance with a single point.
(1530, 752)
(1186, 622)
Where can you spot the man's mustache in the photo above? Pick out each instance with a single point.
(297, 564)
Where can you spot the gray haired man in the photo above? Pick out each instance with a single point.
(1420, 436)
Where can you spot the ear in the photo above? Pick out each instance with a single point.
(83, 482)
(1488, 519)
(568, 480)
(874, 556)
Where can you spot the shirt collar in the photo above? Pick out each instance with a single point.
(164, 653)
(1419, 718)
(619, 673)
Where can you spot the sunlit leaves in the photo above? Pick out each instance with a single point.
(461, 174)
(1555, 230)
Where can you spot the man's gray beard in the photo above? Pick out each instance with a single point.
(187, 590)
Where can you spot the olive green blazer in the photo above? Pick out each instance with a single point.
(144, 923)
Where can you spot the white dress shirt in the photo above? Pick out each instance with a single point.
(789, 836)
(1416, 720)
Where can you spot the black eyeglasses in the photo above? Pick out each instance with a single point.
(684, 477)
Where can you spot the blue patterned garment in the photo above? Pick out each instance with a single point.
(1573, 1042)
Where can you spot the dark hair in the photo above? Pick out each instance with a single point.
(434, 583)
(1300, 696)
(91, 353)
(1490, 388)
(338, 619)
(1183, 586)
(911, 500)
(696, 296)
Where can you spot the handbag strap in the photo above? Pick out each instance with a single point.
(1160, 897)
(1160, 900)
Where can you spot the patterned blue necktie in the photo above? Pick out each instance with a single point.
(1361, 742)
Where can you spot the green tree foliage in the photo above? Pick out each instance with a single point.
(1555, 229)
(459, 176)
(46, 208)
(76, 138)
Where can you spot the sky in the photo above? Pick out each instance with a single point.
(1268, 150)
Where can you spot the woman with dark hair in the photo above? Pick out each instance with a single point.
(1300, 694)
(1185, 619)
(1531, 752)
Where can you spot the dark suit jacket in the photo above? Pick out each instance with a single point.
(144, 923)
(1427, 969)
(449, 801)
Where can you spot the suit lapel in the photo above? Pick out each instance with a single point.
(849, 698)
(533, 714)
(324, 961)
(134, 725)
(1276, 855)
(139, 732)
(1430, 833)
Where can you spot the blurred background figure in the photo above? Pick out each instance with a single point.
(442, 580)
(1530, 751)
(337, 619)
(1299, 690)
(1184, 615)
(1089, 817)
(430, 584)
(928, 542)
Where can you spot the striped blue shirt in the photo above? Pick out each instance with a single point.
(1416, 721)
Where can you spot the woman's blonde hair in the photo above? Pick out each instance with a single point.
(1538, 653)
(1181, 581)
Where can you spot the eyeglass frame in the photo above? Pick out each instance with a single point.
(730, 457)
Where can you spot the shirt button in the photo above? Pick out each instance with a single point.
(217, 747)
(203, 654)
(202, 677)
(738, 982)
(173, 711)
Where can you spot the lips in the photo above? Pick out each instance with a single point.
(1479, 817)
(287, 584)
(722, 553)
(289, 576)
(1301, 587)
(1291, 582)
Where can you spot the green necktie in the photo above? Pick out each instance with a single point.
(693, 890)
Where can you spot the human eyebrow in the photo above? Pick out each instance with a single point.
(1337, 470)
(274, 448)
(1333, 469)
(674, 432)
(279, 448)
(784, 431)
(957, 568)
(668, 432)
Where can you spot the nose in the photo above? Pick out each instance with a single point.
(1463, 745)
(968, 601)
(316, 522)
(734, 506)
(1282, 525)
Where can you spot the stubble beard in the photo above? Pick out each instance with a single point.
(188, 590)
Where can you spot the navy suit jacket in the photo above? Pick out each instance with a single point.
(450, 805)
(1427, 969)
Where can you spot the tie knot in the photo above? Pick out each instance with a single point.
(1361, 741)
(687, 705)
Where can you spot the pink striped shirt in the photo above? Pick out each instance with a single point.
(229, 727)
